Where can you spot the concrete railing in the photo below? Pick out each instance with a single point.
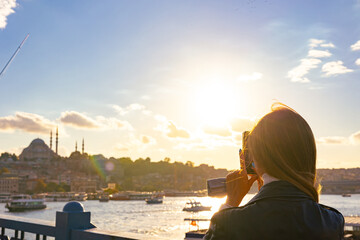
(73, 223)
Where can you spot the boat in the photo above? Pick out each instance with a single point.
(120, 196)
(194, 206)
(346, 195)
(23, 202)
(154, 200)
(79, 196)
(65, 197)
(198, 233)
(139, 195)
(195, 235)
(4, 197)
(104, 198)
(58, 197)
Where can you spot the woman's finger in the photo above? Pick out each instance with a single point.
(242, 162)
(232, 175)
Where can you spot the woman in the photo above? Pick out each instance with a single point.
(283, 149)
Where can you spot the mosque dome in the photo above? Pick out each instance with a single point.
(37, 141)
(37, 150)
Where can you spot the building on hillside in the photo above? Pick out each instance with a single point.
(9, 184)
(37, 150)
(83, 185)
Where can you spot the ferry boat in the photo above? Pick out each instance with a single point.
(130, 195)
(194, 206)
(19, 203)
(120, 196)
(78, 197)
(4, 197)
(154, 200)
(65, 197)
(57, 197)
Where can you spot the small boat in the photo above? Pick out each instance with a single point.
(19, 203)
(104, 198)
(195, 234)
(194, 206)
(346, 195)
(154, 200)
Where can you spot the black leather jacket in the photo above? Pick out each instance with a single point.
(278, 211)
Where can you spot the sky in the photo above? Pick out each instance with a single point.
(178, 79)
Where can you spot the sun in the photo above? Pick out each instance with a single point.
(215, 103)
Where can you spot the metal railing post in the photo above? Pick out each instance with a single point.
(73, 216)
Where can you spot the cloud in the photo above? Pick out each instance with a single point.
(250, 77)
(355, 46)
(238, 138)
(335, 68)
(332, 140)
(357, 62)
(6, 8)
(192, 146)
(27, 122)
(355, 138)
(327, 45)
(132, 107)
(242, 124)
(313, 43)
(222, 132)
(169, 128)
(319, 53)
(113, 123)
(175, 132)
(297, 74)
(78, 120)
(121, 147)
(147, 139)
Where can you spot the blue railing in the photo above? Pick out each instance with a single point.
(73, 223)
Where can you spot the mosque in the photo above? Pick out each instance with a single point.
(38, 150)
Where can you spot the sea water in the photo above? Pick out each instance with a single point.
(165, 221)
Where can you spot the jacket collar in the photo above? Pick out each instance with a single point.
(278, 189)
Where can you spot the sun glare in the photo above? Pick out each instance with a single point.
(214, 104)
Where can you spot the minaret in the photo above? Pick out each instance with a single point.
(51, 140)
(83, 147)
(76, 146)
(57, 140)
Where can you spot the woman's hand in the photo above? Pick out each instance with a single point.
(238, 184)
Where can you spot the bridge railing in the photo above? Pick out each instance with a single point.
(73, 223)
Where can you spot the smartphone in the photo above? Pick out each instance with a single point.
(250, 166)
(216, 187)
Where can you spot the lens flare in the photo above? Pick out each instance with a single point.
(96, 165)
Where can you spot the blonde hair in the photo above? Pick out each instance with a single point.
(283, 144)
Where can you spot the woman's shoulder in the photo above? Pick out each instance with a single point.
(237, 214)
(331, 213)
(280, 210)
